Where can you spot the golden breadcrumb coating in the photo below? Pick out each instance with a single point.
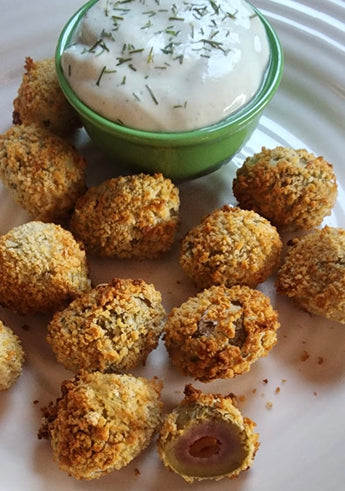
(11, 357)
(291, 188)
(230, 246)
(206, 437)
(42, 268)
(313, 273)
(41, 101)
(132, 216)
(44, 173)
(220, 332)
(112, 328)
(101, 422)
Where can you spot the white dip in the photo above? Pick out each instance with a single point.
(167, 65)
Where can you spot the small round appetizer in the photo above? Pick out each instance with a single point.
(11, 357)
(313, 273)
(231, 246)
(41, 101)
(101, 422)
(111, 328)
(220, 332)
(44, 173)
(206, 437)
(42, 268)
(133, 216)
(291, 188)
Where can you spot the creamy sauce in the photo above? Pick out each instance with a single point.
(160, 65)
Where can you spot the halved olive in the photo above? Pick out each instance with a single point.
(206, 437)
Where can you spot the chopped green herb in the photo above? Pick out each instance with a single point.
(180, 58)
(215, 44)
(215, 7)
(172, 33)
(152, 94)
(107, 35)
(229, 14)
(147, 25)
(179, 106)
(214, 34)
(150, 55)
(168, 49)
(133, 51)
(100, 76)
(99, 43)
(192, 30)
(123, 60)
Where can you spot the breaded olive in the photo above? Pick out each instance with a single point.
(313, 273)
(129, 217)
(41, 101)
(101, 422)
(220, 332)
(11, 357)
(42, 268)
(294, 189)
(206, 437)
(111, 328)
(44, 173)
(230, 246)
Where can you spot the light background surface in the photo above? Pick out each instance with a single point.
(302, 435)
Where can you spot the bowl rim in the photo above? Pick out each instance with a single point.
(237, 119)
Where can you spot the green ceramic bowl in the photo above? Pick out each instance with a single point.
(181, 155)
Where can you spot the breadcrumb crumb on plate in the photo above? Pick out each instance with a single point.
(220, 332)
(101, 422)
(313, 273)
(134, 216)
(42, 268)
(206, 437)
(41, 101)
(230, 246)
(292, 188)
(11, 357)
(44, 173)
(112, 328)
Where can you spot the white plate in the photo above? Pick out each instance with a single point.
(303, 434)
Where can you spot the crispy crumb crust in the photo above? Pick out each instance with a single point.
(44, 173)
(132, 216)
(217, 407)
(291, 188)
(220, 332)
(112, 328)
(41, 101)
(11, 357)
(230, 246)
(313, 273)
(42, 268)
(101, 422)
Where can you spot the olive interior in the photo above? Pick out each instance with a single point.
(206, 444)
